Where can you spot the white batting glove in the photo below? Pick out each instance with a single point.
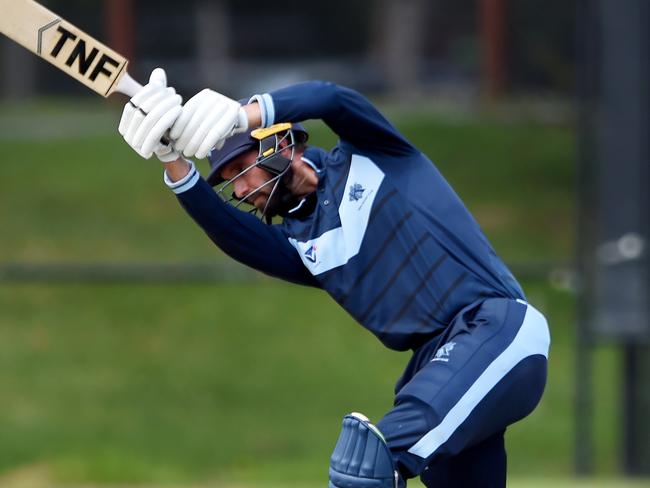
(207, 120)
(149, 115)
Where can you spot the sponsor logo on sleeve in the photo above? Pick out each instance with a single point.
(443, 353)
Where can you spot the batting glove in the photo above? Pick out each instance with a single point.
(207, 120)
(149, 115)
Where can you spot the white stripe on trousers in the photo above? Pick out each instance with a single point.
(532, 338)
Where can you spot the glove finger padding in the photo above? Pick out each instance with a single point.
(216, 135)
(157, 80)
(152, 141)
(134, 123)
(205, 121)
(208, 122)
(188, 112)
(153, 95)
(167, 103)
(193, 124)
(127, 115)
(158, 76)
(150, 103)
(145, 93)
(148, 115)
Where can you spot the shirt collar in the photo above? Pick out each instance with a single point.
(312, 158)
(309, 162)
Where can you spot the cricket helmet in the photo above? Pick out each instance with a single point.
(270, 143)
(245, 141)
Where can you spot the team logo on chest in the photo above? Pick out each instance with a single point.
(310, 253)
(330, 247)
(443, 353)
(356, 192)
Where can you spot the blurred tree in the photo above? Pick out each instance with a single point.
(370, 44)
(541, 45)
(213, 42)
(397, 42)
(18, 67)
(120, 26)
(492, 22)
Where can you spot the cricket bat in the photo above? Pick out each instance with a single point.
(65, 46)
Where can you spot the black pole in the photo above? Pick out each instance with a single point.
(624, 154)
(586, 89)
(636, 405)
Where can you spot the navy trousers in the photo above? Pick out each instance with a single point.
(460, 391)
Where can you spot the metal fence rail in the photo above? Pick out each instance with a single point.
(211, 272)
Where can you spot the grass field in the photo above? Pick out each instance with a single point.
(224, 384)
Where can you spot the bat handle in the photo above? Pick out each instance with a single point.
(129, 87)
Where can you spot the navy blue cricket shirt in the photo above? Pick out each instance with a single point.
(388, 239)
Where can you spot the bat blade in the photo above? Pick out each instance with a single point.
(65, 46)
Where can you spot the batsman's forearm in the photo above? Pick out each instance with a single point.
(254, 115)
(241, 235)
(177, 170)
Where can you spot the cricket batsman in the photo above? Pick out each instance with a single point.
(374, 224)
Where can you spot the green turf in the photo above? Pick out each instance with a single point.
(242, 383)
(179, 383)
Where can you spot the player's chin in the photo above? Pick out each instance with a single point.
(259, 202)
